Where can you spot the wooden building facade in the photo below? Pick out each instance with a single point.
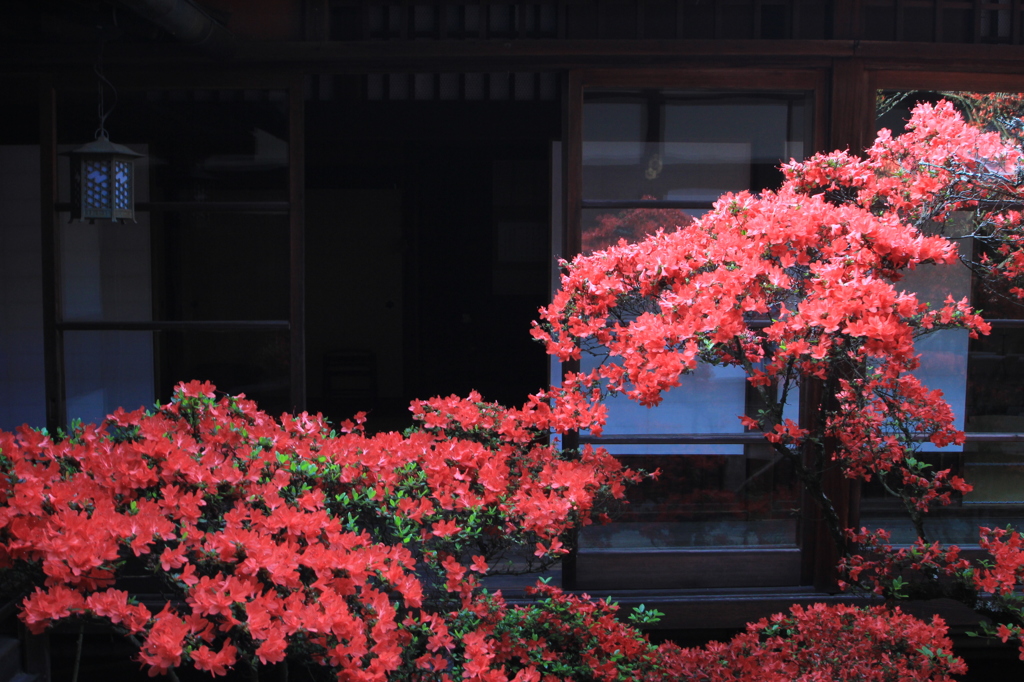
(348, 204)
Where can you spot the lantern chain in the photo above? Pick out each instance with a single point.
(103, 112)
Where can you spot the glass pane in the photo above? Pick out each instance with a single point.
(977, 377)
(604, 228)
(105, 266)
(106, 271)
(255, 363)
(689, 146)
(980, 378)
(995, 385)
(944, 353)
(106, 370)
(706, 501)
(957, 526)
(996, 470)
(997, 111)
(212, 266)
(710, 400)
(992, 296)
(22, 398)
(222, 266)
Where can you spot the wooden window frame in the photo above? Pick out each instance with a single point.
(937, 81)
(698, 568)
(54, 324)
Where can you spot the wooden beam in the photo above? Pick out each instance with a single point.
(383, 55)
(572, 162)
(891, 79)
(159, 62)
(700, 76)
(177, 325)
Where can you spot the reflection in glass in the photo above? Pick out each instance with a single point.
(603, 228)
(981, 378)
(706, 501)
(105, 370)
(944, 353)
(255, 363)
(106, 271)
(995, 386)
(992, 295)
(689, 146)
(709, 400)
(996, 470)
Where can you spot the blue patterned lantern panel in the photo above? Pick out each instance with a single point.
(103, 177)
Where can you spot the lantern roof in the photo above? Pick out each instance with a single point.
(103, 146)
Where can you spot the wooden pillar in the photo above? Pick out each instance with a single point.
(297, 240)
(53, 337)
(572, 162)
(572, 194)
(317, 21)
(850, 126)
(846, 16)
(852, 112)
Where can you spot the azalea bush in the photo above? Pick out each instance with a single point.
(795, 285)
(802, 287)
(829, 643)
(362, 553)
(285, 539)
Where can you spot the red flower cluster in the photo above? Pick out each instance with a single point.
(284, 535)
(285, 539)
(829, 644)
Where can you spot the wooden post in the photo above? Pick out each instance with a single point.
(317, 21)
(852, 106)
(53, 337)
(297, 240)
(36, 653)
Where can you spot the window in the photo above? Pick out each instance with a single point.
(981, 379)
(726, 511)
(206, 283)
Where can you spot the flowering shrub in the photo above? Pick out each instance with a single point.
(575, 638)
(829, 643)
(803, 285)
(363, 554)
(817, 263)
(277, 535)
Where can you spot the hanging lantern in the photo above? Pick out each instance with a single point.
(103, 181)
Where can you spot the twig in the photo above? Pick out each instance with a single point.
(78, 652)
